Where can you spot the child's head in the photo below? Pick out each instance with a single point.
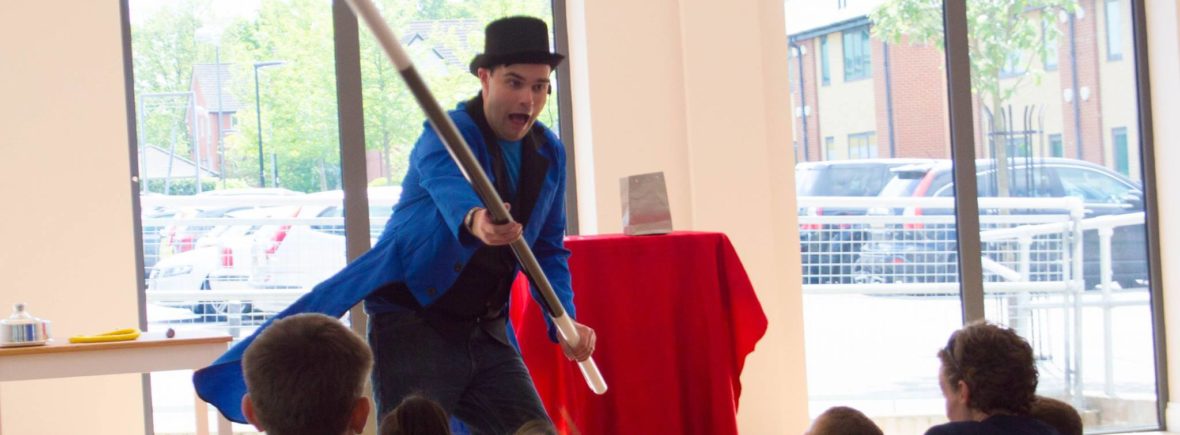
(305, 374)
(842, 420)
(416, 415)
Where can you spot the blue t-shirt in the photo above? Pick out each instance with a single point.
(511, 152)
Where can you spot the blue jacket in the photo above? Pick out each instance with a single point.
(422, 245)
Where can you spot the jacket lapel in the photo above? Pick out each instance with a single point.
(492, 148)
(533, 165)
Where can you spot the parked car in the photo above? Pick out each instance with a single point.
(927, 252)
(177, 238)
(300, 256)
(151, 237)
(829, 252)
(219, 257)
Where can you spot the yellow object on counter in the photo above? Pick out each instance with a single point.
(127, 334)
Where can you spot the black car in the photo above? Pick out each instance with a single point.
(927, 253)
(829, 252)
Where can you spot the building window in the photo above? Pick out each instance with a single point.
(862, 145)
(1013, 66)
(1056, 148)
(1122, 161)
(829, 148)
(857, 54)
(824, 66)
(1049, 34)
(1114, 33)
(1018, 146)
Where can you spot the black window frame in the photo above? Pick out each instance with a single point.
(856, 45)
(1114, 30)
(825, 66)
(1121, 150)
(869, 139)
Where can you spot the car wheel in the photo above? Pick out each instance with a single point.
(214, 311)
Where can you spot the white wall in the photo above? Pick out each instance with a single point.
(698, 89)
(1164, 47)
(68, 247)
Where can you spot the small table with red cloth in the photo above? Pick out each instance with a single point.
(675, 316)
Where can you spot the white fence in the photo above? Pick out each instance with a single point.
(1045, 260)
(233, 261)
(233, 271)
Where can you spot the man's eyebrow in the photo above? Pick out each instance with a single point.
(522, 78)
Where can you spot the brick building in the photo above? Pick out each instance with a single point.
(856, 96)
(216, 107)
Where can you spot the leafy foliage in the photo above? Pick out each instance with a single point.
(297, 99)
(999, 31)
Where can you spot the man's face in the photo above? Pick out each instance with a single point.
(513, 97)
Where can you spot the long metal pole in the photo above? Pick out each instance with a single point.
(258, 115)
(470, 168)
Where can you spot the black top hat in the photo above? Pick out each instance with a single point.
(515, 40)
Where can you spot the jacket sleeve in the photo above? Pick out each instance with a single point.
(550, 249)
(441, 178)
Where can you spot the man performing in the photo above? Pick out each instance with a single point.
(437, 283)
(440, 330)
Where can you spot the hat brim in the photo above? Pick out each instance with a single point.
(483, 60)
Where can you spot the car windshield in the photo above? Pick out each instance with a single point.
(838, 180)
(902, 184)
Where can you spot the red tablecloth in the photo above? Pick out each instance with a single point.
(675, 316)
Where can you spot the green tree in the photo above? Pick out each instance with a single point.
(1000, 33)
(297, 99)
(164, 47)
(393, 119)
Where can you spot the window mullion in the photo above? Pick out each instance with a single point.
(963, 154)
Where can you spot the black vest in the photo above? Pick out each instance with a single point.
(480, 294)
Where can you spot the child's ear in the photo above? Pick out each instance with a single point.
(248, 410)
(360, 414)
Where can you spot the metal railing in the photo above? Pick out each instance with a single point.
(1034, 257)
(235, 270)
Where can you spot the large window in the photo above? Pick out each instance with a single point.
(239, 156)
(241, 218)
(861, 289)
(857, 54)
(1058, 249)
(1080, 294)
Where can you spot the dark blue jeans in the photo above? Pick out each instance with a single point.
(479, 380)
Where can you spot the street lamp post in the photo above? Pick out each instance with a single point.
(258, 114)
